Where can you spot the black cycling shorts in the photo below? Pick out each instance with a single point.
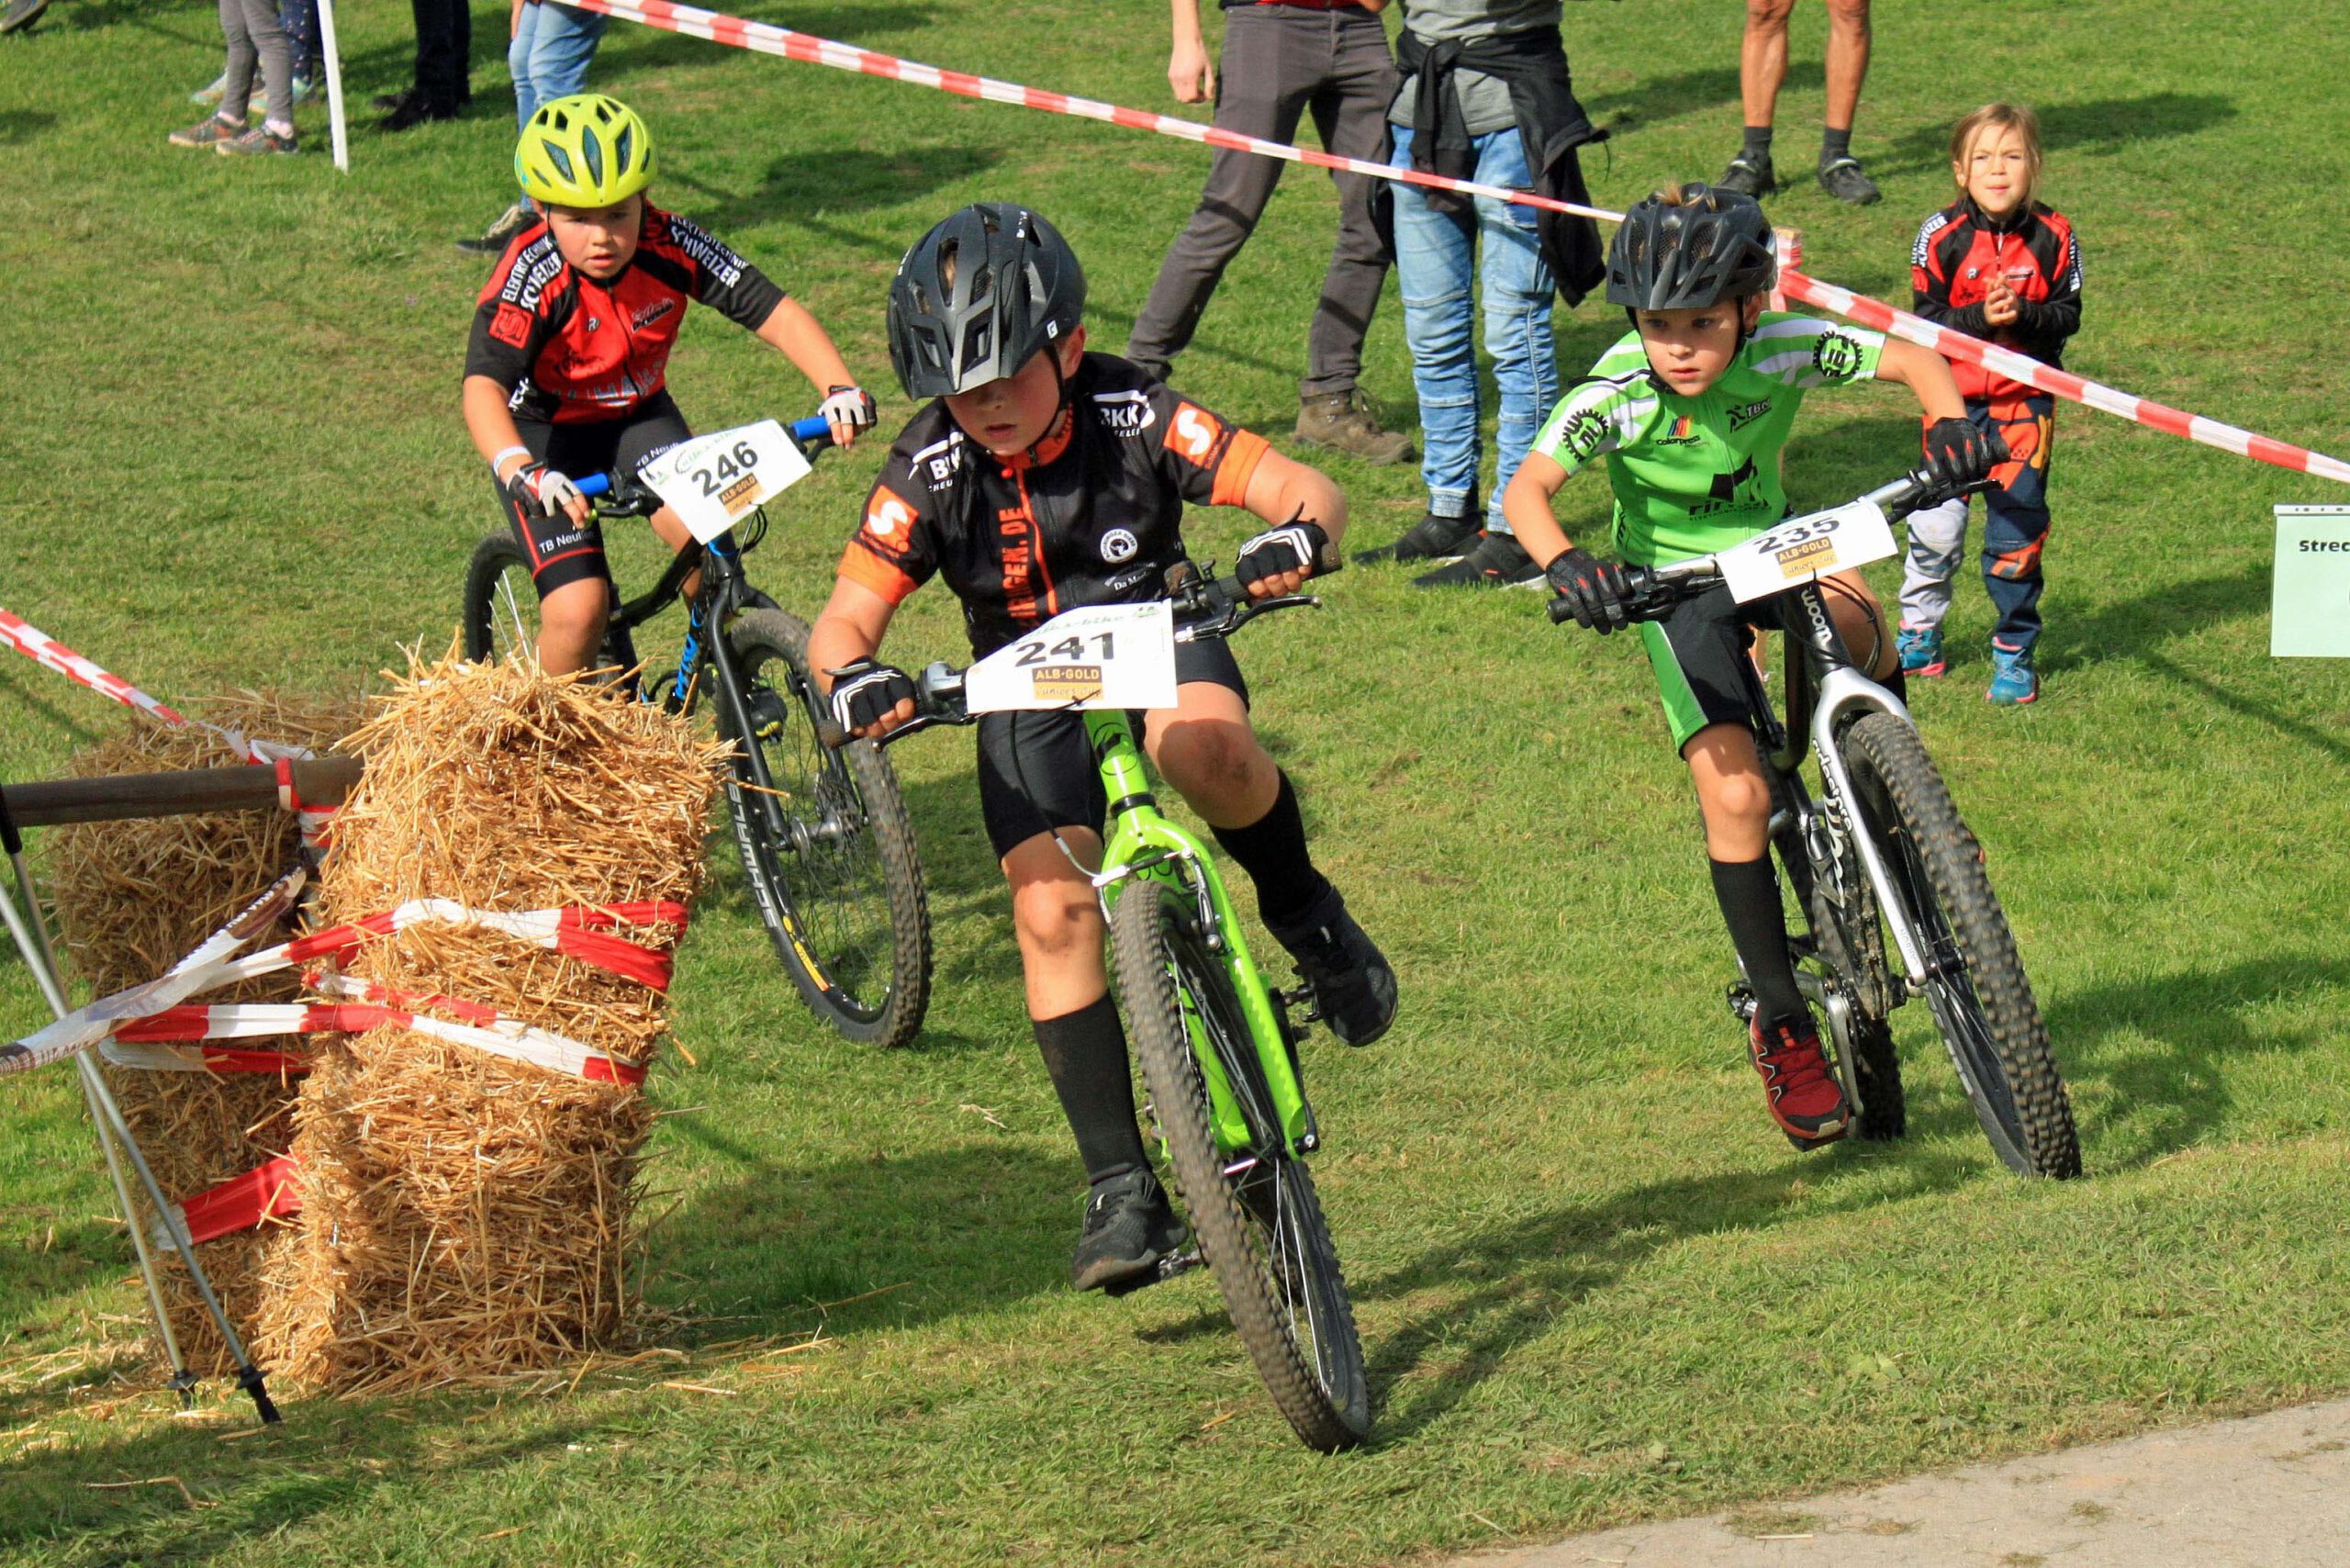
(1697, 652)
(560, 551)
(1037, 773)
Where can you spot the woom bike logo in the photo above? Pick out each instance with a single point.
(1119, 545)
(1835, 355)
(1066, 683)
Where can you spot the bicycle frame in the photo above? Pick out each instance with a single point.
(1143, 846)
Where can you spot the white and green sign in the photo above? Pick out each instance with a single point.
(2309, 616)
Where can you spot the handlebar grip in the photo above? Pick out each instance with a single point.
(813, 430)
(1561, 610)
(594, 485)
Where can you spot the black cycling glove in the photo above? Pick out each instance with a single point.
(866, 692)
(1595, 590)
(1295, 547)
(1960, 454)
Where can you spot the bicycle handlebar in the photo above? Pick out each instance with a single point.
(1655, 590)
(813, 433)
(1202, 609)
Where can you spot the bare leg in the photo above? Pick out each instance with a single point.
(1848, 59)
(1762, 58)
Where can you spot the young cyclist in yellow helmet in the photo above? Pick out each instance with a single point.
(565, 372)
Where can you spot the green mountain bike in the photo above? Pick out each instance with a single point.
(1214, 1040)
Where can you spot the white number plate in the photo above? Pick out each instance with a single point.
(1112, 655)
(1803, 548)
(715, 481)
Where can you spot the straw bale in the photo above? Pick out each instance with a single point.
(466, 1216)
(131, 899)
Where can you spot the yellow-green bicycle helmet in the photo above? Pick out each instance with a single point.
(584, 151)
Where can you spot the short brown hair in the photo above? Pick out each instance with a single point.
(2002, 116)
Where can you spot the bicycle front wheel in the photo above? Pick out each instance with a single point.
(1975, 983)
(826, 846)
(502, 610)
(1253, 1209)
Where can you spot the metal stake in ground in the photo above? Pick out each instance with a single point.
(32, 933)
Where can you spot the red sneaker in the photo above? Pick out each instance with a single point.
(1803, 1094)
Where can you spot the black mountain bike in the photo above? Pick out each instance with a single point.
(1881, 850)
(824, 834)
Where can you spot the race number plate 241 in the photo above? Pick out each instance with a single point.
(713, 482)
(1803, 548)
(1111, 656)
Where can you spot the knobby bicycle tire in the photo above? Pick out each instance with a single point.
(501, 608)
(1260, 1230)
(1979, 996)
(843, 902)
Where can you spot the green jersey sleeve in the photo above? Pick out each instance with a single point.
(1804, 352)
(1607, 412)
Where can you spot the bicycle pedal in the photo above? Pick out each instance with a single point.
(1304, 998)
(1742, 1002)
(1166, 1269)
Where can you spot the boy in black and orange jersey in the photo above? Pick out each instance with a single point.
(1041, 479)
(566, 372)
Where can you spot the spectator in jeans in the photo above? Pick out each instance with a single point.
(256, 42)
(1485, 98)
(444, 40)
(548, 60)
(1283, 59)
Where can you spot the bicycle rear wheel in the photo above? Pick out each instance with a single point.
(501, 612)
(1254, 1209)
(830, 853)
(1976, 986)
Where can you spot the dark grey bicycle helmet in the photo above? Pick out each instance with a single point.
(976, 296)
(1712, 245)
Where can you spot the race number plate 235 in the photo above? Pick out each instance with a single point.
(715, 481)
(1803, 548)
(1111, 656)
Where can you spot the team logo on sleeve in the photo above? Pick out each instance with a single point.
(1581, 435)
(510, 325)
(888, 518)
(1119, 545)
(1835, 355)
(1195, 432)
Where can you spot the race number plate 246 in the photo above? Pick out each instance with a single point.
(715, 481)
(1803, 548)
(1111, 656)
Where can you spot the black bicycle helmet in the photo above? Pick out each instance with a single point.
(976, 296)
(1710, 246)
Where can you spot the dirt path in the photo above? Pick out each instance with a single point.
(2267, 1491)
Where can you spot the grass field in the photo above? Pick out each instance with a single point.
(1593, 1285)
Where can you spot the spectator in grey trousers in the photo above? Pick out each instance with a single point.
(1283, 59)
(256, 42)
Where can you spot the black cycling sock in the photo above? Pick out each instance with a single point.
(1273, 851)
(1835, 144)
(1758, 145)
(1085, 1054)
(1749, 893)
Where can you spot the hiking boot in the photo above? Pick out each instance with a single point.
(1921, 648)
(1498, 560)
(1128, 1228)
(260, 142)
(1437, 540)
(413, 109)
(1748, 176)
(1803, 1096)
(2013, 680)
(1841, 178)
(1343, 422)
(1354, 989)
(501, 234)
(209, 131)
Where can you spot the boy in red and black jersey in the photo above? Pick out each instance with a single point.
(1041, 479)
(1999, 265)
(566, 372)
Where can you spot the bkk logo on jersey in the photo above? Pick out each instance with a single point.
(1196, 432)
(887, 517)
(1127, 413)
(1747, 413)
(1118, 545)
(1835, 355)
(1683, 434)
(652, 313)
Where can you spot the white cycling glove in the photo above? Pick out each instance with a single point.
(847, 409)
(542, 491)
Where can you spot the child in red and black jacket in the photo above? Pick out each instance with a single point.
(2000, 265)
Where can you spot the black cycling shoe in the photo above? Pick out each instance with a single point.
(1128, 1228)
(1748, 176)
(1842, 178)
(1435, 540)
(1354, 988)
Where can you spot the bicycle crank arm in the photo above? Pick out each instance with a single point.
(1159, 1273)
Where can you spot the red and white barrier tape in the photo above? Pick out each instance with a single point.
(268, 1192)
(250, 1020)
(766, 38)
(581, 933)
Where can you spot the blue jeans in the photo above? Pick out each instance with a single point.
(1433, 252)
(549, 56)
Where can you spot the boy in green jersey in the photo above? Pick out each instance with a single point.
(1692, 408)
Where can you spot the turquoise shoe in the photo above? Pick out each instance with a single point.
(2013, 680)
(1921, 650)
